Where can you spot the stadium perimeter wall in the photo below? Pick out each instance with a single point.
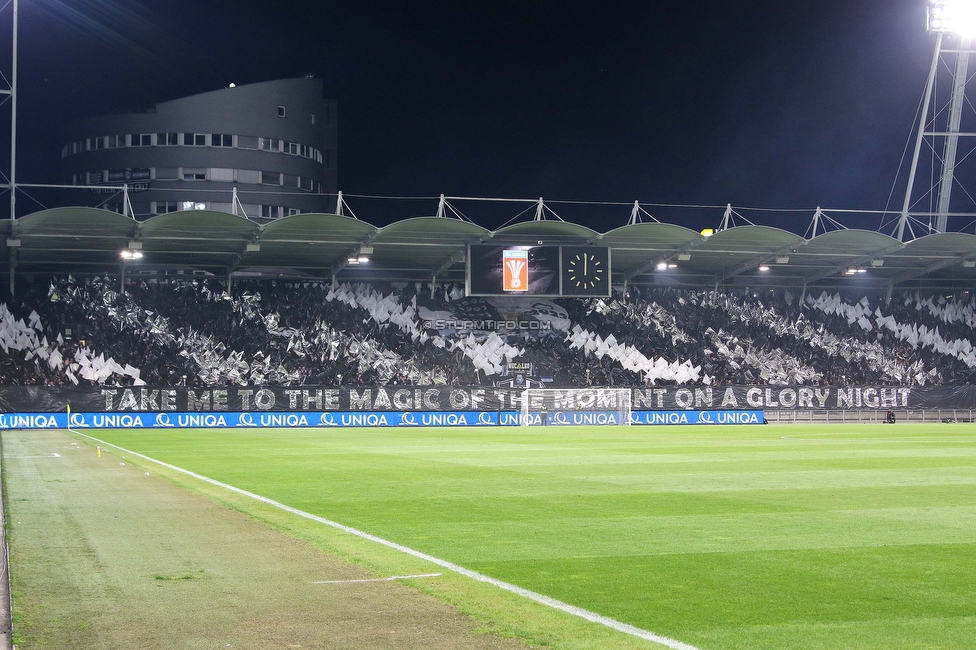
(320, 399)
(263, 406)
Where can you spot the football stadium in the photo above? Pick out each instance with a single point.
(226, 426)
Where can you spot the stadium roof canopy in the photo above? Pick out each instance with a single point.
(88, 241)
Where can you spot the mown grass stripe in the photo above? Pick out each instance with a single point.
(579, 612)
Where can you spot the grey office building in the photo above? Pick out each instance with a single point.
(263, 150)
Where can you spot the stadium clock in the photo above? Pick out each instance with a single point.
(586, 271)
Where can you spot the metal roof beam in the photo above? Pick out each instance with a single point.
(757, 262)
(931, 268)
(647, 266)
(856, 261)
(334, 270)
(456, 256)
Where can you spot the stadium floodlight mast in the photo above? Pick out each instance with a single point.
(952, 17)
(11, 91)
(951, 21)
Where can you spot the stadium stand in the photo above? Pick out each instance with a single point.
(192, 332)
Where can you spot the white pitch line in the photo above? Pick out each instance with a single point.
(542, 599)
(390, 579)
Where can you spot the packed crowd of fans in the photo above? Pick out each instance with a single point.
(195, 333)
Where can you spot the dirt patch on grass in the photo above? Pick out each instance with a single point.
(105, 556)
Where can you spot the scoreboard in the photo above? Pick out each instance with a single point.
(494, 270)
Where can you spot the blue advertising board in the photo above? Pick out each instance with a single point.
(272, 419)
(696, 417)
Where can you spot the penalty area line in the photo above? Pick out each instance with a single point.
(542, 599)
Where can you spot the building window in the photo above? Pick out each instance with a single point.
(281, 111)
(291, 211)
(270, 144)
(270, 211)
(195, 139)
(222, 140)
(290, 147)
(167, 139)
(194, 174)
(247, 142)
(164, 207)
(270, 178)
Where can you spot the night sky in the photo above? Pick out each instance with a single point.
(758, 104)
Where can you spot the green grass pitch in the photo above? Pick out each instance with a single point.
(799, 536)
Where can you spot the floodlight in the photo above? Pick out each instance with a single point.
(662, 266)
(684, 257)
(763, 268)
(353, 260)
(672, 266)
(969, 264)
(131, 255)
(708, 232)
(783, 259)
(362, 259)
(952, 17)
(877, 263)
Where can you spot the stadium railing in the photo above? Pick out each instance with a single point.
(867, 416)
